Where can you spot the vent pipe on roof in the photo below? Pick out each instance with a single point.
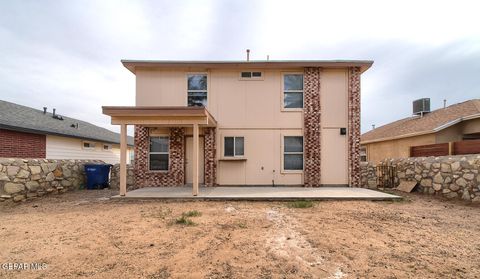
(44, 110)
(248, 55)
(268, 57)
(444, 103)
(55, 116)
(373, 126)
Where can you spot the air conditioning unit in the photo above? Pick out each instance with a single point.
(421, 106)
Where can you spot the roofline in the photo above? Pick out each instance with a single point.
(43, 132)
(458, 120)
(437, 129)
(255, 64)
(398, 137)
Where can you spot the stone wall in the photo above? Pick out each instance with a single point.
(21, 179)
(447, 176)
(368, 176)
(115, 177)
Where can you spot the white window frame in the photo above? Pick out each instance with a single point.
(154, 153)
(293, 91)
(91, 143)
(251, 75)
(282, 146)
(234, 143)
(208, 85)
(109, 147)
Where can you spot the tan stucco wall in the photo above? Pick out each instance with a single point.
(471, 126)
(453, 133)
(334, 168)
(231, 101)
(456, 132)
(399, 148)
(253, 109)
(72, 148)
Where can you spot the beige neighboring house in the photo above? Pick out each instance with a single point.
(458, 122)
(30, 133)
(244, 122)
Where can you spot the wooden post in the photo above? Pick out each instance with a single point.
(123, 159)
(195, 159)
(450, 148)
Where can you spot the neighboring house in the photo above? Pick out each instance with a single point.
(458, 122)
(30, 133)
(245, 122)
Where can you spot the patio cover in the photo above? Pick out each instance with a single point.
(157, 117)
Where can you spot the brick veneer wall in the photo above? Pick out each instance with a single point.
(210, 160)
(312, 127)
(354, 126)
(15, 144)
(175, 176)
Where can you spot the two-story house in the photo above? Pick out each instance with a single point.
(244, 122)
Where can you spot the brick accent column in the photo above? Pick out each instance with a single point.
(175, 176)
(354, 126)
(312, 127)
(210, 156)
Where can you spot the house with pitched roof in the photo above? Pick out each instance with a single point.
(454, 123)
(27, 132)
(243, 123)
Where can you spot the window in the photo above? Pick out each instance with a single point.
(363, 154)
(293, 91)
(132, 156)
(107, 147)
(159, 154)
(233, 146)
(250, 75)
(292, 153)
(197, 90)
(88, 145)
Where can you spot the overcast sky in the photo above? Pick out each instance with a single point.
(66, 54)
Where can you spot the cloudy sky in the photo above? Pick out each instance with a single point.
(66, 54)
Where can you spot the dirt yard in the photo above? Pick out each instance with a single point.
(85, 234)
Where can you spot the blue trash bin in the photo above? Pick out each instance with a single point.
(97, 175)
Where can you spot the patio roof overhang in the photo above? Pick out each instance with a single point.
(159, 116)
(194, 117)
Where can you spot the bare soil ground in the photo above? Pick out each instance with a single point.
(85, 234)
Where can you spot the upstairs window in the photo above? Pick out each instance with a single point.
(159, 153)
(292, 91)
(233, 147)
(197, 90)
(250, 75)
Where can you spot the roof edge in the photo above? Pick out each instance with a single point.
(398, 137)
(131, 64)
(42, 132)
(455, 121)
(437, 129)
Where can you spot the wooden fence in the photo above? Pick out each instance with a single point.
(444, 149)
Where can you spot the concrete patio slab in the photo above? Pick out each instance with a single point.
(259, 193)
